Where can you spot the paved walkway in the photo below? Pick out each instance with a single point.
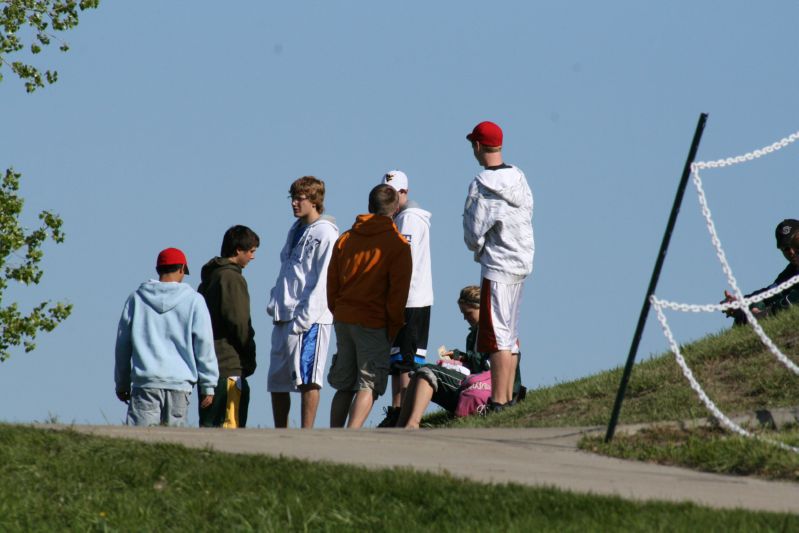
(537, 457)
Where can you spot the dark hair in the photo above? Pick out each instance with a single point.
(238, 238)
(312, 188)
(383, 200)
(167, 269)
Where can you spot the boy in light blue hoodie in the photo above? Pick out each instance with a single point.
(164, 347)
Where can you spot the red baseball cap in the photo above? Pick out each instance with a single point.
(172, 256)
(487, 134)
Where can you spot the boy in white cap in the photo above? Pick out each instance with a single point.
(410, 346)
(498, 228)
(165, 346)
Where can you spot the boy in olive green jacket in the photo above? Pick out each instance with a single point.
(228, 300)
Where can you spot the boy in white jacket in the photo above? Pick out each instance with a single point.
(298, 305)
(410, 346)
(498, 228)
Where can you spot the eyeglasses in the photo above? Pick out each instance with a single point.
(297, 199)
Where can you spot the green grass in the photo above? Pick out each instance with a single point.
(733, 367)
(707, 449)
(51, 480)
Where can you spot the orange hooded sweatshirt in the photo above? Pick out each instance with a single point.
(370, 274)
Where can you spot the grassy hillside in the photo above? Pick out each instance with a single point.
(733, 367)
(64, 481)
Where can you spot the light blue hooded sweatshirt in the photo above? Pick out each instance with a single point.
(165, 341)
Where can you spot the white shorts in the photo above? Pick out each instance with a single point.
(297, 359)
(499, 316)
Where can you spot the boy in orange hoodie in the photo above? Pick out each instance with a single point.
(367, 287)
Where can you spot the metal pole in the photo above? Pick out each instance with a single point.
(664, 246)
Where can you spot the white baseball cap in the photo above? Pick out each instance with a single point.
(397, 179)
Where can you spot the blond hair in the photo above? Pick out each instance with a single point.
(470, 296)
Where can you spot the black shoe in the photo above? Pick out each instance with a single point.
(391, 419)
(493, 407)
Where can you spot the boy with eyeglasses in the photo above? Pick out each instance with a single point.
(298, 305)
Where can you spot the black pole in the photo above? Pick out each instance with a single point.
(653, 282)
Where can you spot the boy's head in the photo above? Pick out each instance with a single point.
(383, 200)
(488, 134)
(486, 139)
(311, 189)
(399, 180)
(787, 234)
(239, 244)
(171, 261)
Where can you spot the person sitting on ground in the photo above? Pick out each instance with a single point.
(787, 234)
(441, 383)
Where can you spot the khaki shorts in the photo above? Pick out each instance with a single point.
(362, 359)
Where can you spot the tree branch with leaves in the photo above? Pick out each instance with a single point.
(37, 22)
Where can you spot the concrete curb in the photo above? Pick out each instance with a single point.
(533, 457)
(772, 418)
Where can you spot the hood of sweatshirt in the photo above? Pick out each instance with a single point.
(508, 183)
(413, 209)
(215, 264)
(164, 296)
(324, 220)
(370, 224)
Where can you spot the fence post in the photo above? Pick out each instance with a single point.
(664, 246)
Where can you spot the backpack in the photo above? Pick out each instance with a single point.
(475, 391)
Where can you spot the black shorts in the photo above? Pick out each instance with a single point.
(410, 346)
(446, 384)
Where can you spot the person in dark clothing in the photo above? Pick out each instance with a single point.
(787, 234)
(228, 300)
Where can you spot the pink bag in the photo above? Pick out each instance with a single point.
(475, 392)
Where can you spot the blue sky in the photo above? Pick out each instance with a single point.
(172, 121)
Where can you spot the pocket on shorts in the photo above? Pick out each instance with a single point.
(374, 376)
(179, 405)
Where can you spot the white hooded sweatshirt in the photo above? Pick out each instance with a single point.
(413, 223)
(498, 224)
(300, 292)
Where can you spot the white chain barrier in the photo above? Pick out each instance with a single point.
(770, 149)
(708, 403)
(740, 302)
(737, 304)
(725, 266)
